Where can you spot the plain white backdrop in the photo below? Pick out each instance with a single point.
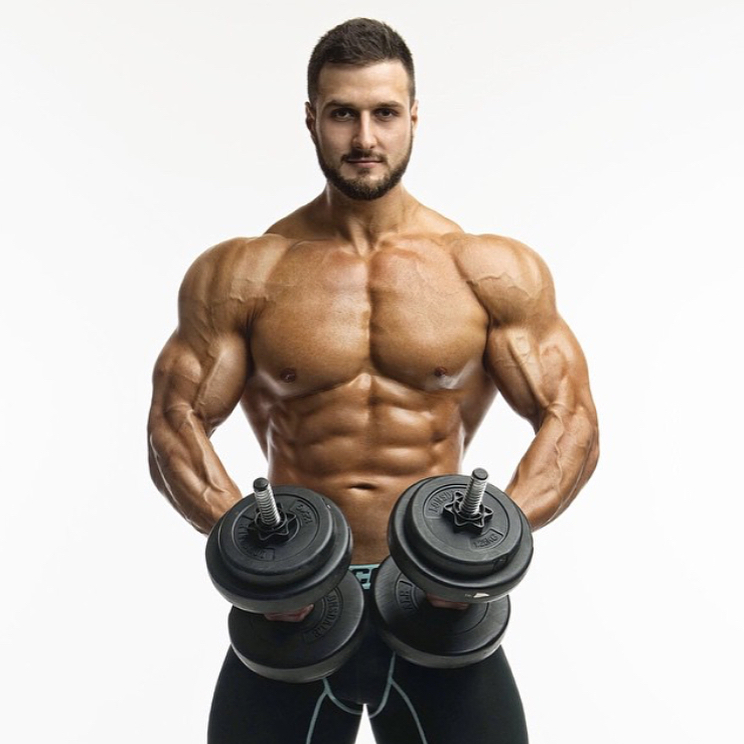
(606, 135)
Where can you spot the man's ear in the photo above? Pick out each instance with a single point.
(414, 115)
(310, 119)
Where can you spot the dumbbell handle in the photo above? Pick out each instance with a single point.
(471, 504)
(267, 508)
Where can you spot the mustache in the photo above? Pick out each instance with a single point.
(364, 155)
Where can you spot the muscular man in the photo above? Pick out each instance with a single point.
(365, 337)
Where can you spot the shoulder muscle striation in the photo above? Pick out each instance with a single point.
(226, 284)
(509, 279)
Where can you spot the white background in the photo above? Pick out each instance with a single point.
(606, 135)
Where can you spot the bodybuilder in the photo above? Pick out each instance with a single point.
(365, 337)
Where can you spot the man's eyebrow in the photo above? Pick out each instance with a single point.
(344, 104)
(339, 104)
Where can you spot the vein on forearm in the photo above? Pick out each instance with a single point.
(555, 466)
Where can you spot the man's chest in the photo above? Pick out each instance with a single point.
(399, 314)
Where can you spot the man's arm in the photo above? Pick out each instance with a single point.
(539, 367)
(198, 380)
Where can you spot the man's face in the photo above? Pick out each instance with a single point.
(362, 125)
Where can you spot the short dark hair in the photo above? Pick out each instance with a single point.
(359, 41)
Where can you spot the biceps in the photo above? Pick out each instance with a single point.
(537, 372)
(205, 381)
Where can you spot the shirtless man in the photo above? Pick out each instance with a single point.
(365, 337)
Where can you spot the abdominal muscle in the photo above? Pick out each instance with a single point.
(362, 444)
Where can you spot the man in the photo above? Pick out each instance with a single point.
(365, 337)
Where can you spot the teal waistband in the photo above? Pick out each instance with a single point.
(364, 573)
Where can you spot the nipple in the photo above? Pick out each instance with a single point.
(288, 375)
(440, 371)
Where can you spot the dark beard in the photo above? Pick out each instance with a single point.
(359, 188)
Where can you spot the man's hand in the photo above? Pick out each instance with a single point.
(297, 616)
(446, 604)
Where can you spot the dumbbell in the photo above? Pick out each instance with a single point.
(461, 540)
(278, 551)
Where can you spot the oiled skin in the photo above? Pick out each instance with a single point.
(364, 365)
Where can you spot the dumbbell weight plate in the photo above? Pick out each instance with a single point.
(309, 538)
(275, 576)
(431, 636)
(305, 651)
(459, 566)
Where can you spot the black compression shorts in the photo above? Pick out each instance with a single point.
(406, 704)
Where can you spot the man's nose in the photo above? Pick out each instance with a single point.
(364, 136)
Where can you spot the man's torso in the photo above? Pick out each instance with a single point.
(366, 367)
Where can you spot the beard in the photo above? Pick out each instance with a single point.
(361, 188)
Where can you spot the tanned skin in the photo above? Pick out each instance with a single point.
(366, 340)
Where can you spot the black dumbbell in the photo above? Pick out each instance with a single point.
(459, 539)
(279, 552)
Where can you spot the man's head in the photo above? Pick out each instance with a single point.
(359, 42)
(362, 110)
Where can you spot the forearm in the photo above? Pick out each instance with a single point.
(556, 466)
(186, 470)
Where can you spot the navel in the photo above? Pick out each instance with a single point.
(288, 374)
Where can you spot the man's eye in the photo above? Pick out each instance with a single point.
(386, 113)
(342, 114)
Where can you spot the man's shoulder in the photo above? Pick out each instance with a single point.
(298, 225)
(505, 274)
(233, 270)
(436, 224)
(497, 255)
(232, 253)
(238, 257)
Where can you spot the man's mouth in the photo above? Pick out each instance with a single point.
(362, 160)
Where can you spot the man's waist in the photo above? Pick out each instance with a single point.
(364, 573)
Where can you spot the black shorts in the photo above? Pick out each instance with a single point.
(406, 704)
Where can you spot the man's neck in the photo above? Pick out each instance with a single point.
(364, 223)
